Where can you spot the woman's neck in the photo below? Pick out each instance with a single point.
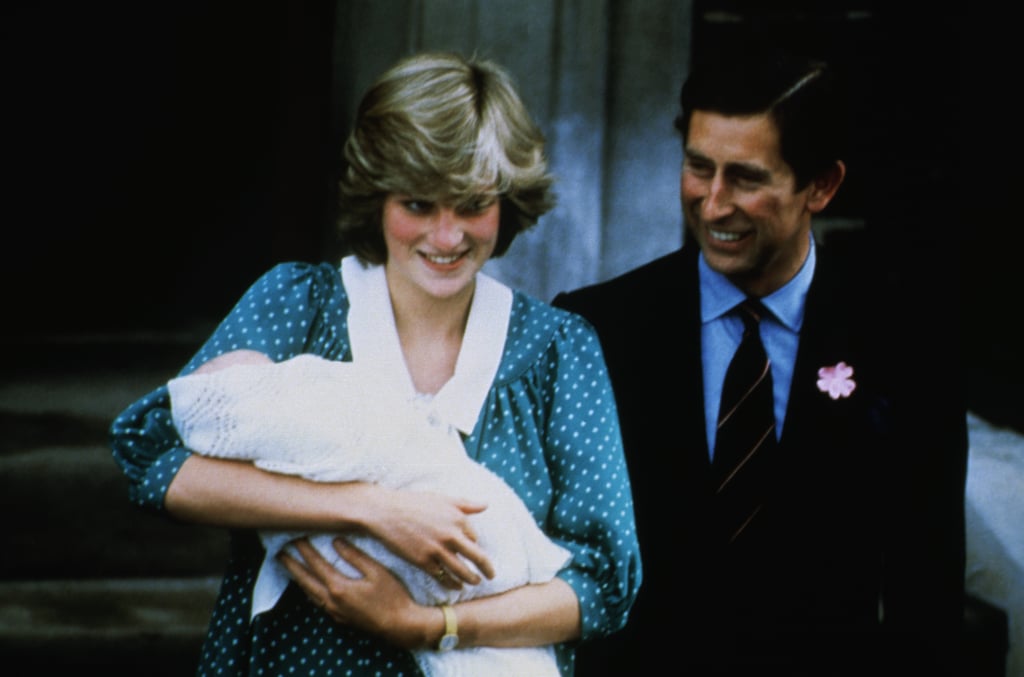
(430, 331)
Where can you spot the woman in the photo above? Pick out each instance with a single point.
(444, 169)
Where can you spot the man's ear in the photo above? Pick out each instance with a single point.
(824, 187)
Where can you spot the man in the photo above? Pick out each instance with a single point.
(848, 555)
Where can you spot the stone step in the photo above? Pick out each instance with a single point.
(113, 627)
(57, 401)
(88, 582)
(75, 521)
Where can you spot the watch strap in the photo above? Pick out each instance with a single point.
(450, 639)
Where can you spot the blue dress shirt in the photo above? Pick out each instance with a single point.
(721, 332)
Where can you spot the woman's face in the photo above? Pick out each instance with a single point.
(436, 249)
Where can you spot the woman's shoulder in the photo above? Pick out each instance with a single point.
(288, 274)
(294, 306)
(538, 332)
(531, 310)
(296, 283)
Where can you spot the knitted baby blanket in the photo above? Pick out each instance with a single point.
(329, 421)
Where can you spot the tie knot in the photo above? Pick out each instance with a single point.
(751, 311)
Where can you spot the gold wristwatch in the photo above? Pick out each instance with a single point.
(450, 639)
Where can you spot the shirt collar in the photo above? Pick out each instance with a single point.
(374, 337)
(718, 295)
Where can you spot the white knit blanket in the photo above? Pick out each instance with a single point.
(330, 422)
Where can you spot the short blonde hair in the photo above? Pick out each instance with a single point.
(443, 128)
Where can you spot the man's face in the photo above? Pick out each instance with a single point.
(740, 201)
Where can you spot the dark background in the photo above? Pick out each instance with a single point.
(158, 156)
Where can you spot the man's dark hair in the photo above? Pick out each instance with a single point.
(800, 94)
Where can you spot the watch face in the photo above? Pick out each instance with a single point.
(448, 642)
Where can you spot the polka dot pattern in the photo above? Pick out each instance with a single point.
(548, 427)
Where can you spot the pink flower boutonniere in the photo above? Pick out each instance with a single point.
(837, 381)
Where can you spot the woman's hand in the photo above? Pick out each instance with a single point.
(429, 530)
(378, 603)
(432, 531)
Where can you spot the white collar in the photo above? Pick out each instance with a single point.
(374, 338)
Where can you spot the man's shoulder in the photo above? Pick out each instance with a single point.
(656, 277)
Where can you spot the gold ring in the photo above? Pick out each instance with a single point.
(441, 573)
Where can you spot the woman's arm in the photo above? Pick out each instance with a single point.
(591, 512)
(427, 529)
(531, 615)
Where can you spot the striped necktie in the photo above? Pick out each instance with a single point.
(745, 439)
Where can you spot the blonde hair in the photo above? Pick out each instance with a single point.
(443, 128)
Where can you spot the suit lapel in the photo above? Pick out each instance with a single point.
(669, 385)
(815, 421)
(692, 372)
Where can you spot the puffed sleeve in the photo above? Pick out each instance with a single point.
(291, 309)
(592, 510)
(550, 428)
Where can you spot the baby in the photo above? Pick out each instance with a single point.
(329, 421)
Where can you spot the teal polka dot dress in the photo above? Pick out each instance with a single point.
(548, 427)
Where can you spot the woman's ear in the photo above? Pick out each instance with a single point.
(824, 187)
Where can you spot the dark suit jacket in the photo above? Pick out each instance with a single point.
(868, 508)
